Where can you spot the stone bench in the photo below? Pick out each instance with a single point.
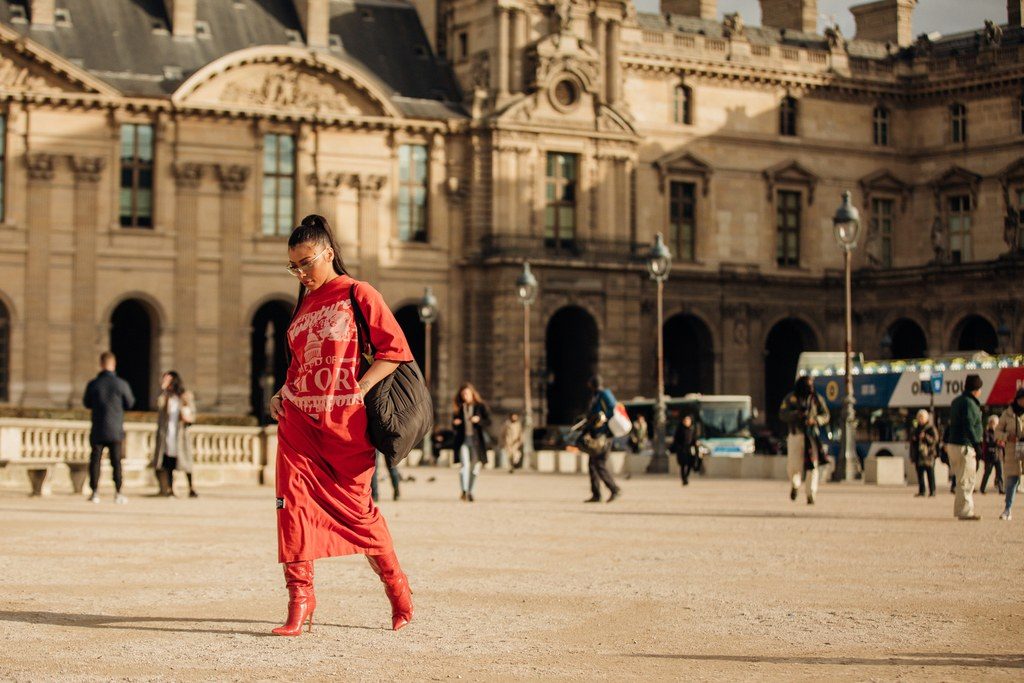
(38, 471)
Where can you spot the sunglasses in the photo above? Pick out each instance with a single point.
(304, 268)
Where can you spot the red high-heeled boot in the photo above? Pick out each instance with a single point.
(396, 587)
(301, 599)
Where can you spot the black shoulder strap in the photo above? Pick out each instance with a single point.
(363, 339)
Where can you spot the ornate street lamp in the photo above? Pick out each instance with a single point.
(526, 290)
(846, 225)
(659, 263)
(427, 311)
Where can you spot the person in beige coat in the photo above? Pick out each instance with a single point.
(172, 448)
(512, 442)
(1010, 435)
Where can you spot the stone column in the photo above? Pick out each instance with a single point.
(233, 339)
(600, 42)
(501, 63)
(369, 187)
(187, 177)
(84, 343)
(519, 31)
(307, 144)
(437, 209)
(40, 167)
(612, 63)
(327, 184)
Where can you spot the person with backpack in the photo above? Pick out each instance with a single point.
(325, 459)
(596, 440)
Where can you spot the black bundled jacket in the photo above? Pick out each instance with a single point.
(107, 396)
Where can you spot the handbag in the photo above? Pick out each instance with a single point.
(620, 424)
(399, 412)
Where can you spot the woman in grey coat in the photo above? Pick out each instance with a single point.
(172, 449)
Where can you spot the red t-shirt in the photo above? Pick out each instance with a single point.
(323, 375)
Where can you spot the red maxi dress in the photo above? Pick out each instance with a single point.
(324, 458)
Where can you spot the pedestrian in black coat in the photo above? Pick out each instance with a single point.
(107, 396)
(683, 444)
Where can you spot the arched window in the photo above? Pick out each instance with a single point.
(5, 354)
(881, 126)
(958, 122)
(787, 116)
(682, 111)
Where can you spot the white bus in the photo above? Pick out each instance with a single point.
(722, 422)
(889, 393)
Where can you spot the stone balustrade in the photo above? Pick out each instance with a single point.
(247, 455)
(222, 454)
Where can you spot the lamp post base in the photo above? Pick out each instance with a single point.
(659, 463)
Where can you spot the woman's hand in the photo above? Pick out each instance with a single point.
(456, 422)
(276, 407)
(475, 419)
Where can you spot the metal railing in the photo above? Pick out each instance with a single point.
(582, 250)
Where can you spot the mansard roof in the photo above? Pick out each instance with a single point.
(126, 43)
(962, 42)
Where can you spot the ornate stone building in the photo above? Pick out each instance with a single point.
(156, 153)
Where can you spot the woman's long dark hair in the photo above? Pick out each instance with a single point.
(458, 402)
(315, 229)
(177, 387)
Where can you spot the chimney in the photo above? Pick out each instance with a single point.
(183, 17)
(795, 15)
(1014, 9)
(41, 12)
(704, 9)
(315, 16)
(885, 21)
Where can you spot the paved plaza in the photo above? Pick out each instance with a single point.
(723, 580)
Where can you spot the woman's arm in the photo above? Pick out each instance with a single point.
(378, 371)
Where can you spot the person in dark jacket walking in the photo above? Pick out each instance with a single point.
(924, 443)
(107, 396)
(470, 419)
(963, 445)
(991, 456)
(596, 441)
(683, 444)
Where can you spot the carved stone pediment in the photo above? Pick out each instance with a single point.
(790, 173)
(561, 54)
(884, 182)
(27, 67)
(956, 178)
(686, 164)
(1013, 173)
(18, 74)
(284, 87)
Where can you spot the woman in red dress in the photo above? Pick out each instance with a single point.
(324, 458)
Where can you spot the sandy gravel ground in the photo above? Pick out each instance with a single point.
(723, 580)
